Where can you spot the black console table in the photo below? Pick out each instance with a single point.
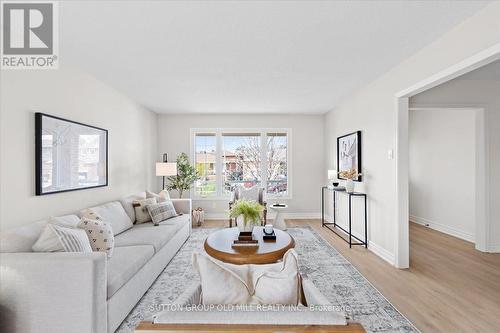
(334, 223)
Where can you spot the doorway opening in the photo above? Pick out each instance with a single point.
(402, 253)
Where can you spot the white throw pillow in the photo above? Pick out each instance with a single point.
(72, 239)
(127, 204)
(48, 241)
(223, 283)
(160, 197)
(161, 211)
(112, 213)
(141, 210)
(100, 235)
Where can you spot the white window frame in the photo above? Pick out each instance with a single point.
(218, 158)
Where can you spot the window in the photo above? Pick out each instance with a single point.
(227, 158)
(241, 160)
(277, 171)
(205, 158)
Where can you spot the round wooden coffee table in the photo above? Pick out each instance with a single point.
(219, 246)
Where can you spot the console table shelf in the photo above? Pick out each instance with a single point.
(348, 233)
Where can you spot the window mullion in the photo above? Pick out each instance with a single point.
(218, 165)
(263, 159)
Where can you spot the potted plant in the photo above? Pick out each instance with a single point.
(186, 175)
(349, 175)
(250, 211)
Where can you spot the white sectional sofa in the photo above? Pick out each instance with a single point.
(85, 292)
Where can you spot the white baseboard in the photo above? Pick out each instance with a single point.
(443, 228)
(381, 252)
(375, 248)
(493, 248)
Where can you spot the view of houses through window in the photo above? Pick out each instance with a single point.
(245, 159)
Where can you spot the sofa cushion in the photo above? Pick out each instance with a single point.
(124, 264)
(127, 204)
(22, 239)
(48, 240)
(112, 213)
(149, 234)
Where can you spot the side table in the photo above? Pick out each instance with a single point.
(279, 220)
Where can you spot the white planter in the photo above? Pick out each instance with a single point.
(349, 186)
(241, 225)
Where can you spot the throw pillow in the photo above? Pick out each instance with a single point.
(72, 239)
(100, 235)
(252, 194)
(141, 210)
(161, 211)
(90, 214)
(160, 197)
(223, 283)
(127, 204)
(48, 241)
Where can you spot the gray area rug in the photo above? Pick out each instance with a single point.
(334, 276)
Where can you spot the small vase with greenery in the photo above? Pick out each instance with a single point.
(349, 176)
(250, 211)
(186, 176)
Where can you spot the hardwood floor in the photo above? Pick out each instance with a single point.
(449, 287)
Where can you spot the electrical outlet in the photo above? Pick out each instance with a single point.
(390, 154)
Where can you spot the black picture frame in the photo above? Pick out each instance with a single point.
(357, 134)
(39, 116)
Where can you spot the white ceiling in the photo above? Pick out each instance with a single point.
(248, 57)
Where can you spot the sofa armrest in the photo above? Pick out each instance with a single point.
(183, 206)
(53, 292)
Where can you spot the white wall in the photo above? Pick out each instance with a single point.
(306, 152)
(476, 93)
(373, 110)
(74, 95)
(442, 170)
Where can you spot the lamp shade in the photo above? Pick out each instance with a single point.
(332, 174)
(166, 169)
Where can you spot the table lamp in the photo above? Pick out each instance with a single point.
(165, 169)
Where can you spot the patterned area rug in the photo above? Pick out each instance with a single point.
(334, 276)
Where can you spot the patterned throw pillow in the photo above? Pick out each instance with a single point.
(161, 211)
(141, 210)
(72, 239)
(99, 234)
(91, 215)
